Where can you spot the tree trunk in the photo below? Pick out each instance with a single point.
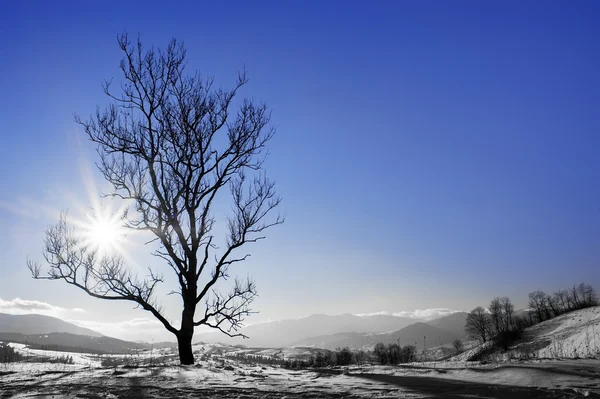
(184, 343)
(186, 332)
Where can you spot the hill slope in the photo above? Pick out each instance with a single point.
(74, 343)
(571, 335)
(454, 323)
(39, 324)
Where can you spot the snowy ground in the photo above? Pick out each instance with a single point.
(226, 379)
(571, 335)
(86, 359)
(565, 365)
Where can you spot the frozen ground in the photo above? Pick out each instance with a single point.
(571, 335)
(557, 371)
(224, 379)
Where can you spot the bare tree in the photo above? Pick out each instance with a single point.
(554, 305)
(458, 345)
(508, 310)
(538, 302)
(588, 295)
(479, 324)
(168, 143)
(502, 314)
(576, 301)
(562, 300)
(496, 315)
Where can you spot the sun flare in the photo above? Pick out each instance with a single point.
(104, 232)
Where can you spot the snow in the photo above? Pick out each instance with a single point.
(225, 378)
(84, 359)
(235, 380)
(571, 335)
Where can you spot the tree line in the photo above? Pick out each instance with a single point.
(8, 354)
(545, 307)
(381, 353)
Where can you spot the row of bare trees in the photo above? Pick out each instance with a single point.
(394, 353)
(544, 307)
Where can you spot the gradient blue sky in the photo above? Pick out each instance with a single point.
(430, 154)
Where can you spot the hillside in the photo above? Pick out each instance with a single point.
(74, 343)
(571, 335)
(454, 323)
(288, 332)
(39, 324)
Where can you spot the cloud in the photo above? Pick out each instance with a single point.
(19, 306)
(252, 323)
(30, 209)
(423, 314)
(427, 314)
(382, 313)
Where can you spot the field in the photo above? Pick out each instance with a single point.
(158, 376)
(558, 358)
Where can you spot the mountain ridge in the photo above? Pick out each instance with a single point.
(67, 342)
(409, 335)
(41, 324)
(285, 332)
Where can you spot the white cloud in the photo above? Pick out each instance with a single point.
(252, 323)
(18, 306)
(423, 314)
(427, 314)
(382, 313)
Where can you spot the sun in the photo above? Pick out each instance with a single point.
(104, 232)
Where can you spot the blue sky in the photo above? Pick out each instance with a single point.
(429, 154)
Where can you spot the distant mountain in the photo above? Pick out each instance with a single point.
(39, 324)
(74, 343)
(454, 323)
(286, 332)
(413, 335)
(351, 339)
(410, 335)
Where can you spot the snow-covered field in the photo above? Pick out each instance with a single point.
(570, 373)
(571, 335)
(218, 378)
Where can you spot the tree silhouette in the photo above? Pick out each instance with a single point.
(168, 144)
(538, 303)
(479, 324)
